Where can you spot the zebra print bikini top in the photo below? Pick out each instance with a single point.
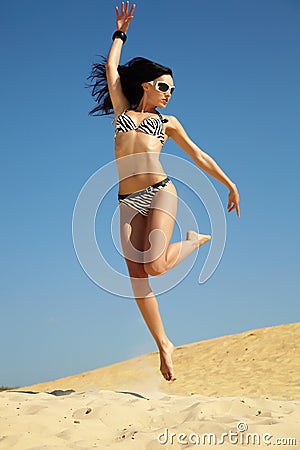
(150, 125)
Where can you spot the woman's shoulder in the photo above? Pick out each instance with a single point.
(173, 127)
(171, 121)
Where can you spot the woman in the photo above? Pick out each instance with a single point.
(147, 197)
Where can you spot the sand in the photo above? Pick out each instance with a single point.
(245, 385)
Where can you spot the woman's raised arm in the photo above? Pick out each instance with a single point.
(117, 96)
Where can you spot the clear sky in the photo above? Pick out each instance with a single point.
(236, 70)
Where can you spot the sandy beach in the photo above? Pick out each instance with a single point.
(237, 391)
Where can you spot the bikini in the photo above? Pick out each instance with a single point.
(150, 125)
(141, 200)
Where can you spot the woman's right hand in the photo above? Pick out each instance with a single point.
(233, 200)
(124, 18)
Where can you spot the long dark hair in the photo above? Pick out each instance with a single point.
(132, 75)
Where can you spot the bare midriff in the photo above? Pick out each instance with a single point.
(137, 159)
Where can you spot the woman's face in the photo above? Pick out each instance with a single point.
(154, 96)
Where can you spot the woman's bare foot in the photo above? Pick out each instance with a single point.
(199, 239)
(166, 364)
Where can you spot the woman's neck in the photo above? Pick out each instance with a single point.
(145, 107)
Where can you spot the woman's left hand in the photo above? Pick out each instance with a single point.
(233, 197)
(124, 18)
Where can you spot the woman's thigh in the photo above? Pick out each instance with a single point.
(160, 221)
(133, 238)
(134, 243)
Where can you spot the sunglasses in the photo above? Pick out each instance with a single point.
(162, 86)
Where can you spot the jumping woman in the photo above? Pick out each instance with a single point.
(147, 197)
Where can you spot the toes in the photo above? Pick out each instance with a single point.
(168, 376)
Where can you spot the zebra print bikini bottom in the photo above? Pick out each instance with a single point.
(141, 200)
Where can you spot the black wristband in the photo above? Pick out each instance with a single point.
(120, 35)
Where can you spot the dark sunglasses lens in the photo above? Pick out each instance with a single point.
(163, 87)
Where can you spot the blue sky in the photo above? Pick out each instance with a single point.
(236, 69)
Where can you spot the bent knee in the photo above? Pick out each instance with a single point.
(155, 268)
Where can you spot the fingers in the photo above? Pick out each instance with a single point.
(124, 10)
(230, 206)
(233, 203)
(132, 9)
(236, 207)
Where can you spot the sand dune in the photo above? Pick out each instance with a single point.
(256, 363)
(241, 384)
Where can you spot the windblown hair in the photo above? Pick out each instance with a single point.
(132, 75)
